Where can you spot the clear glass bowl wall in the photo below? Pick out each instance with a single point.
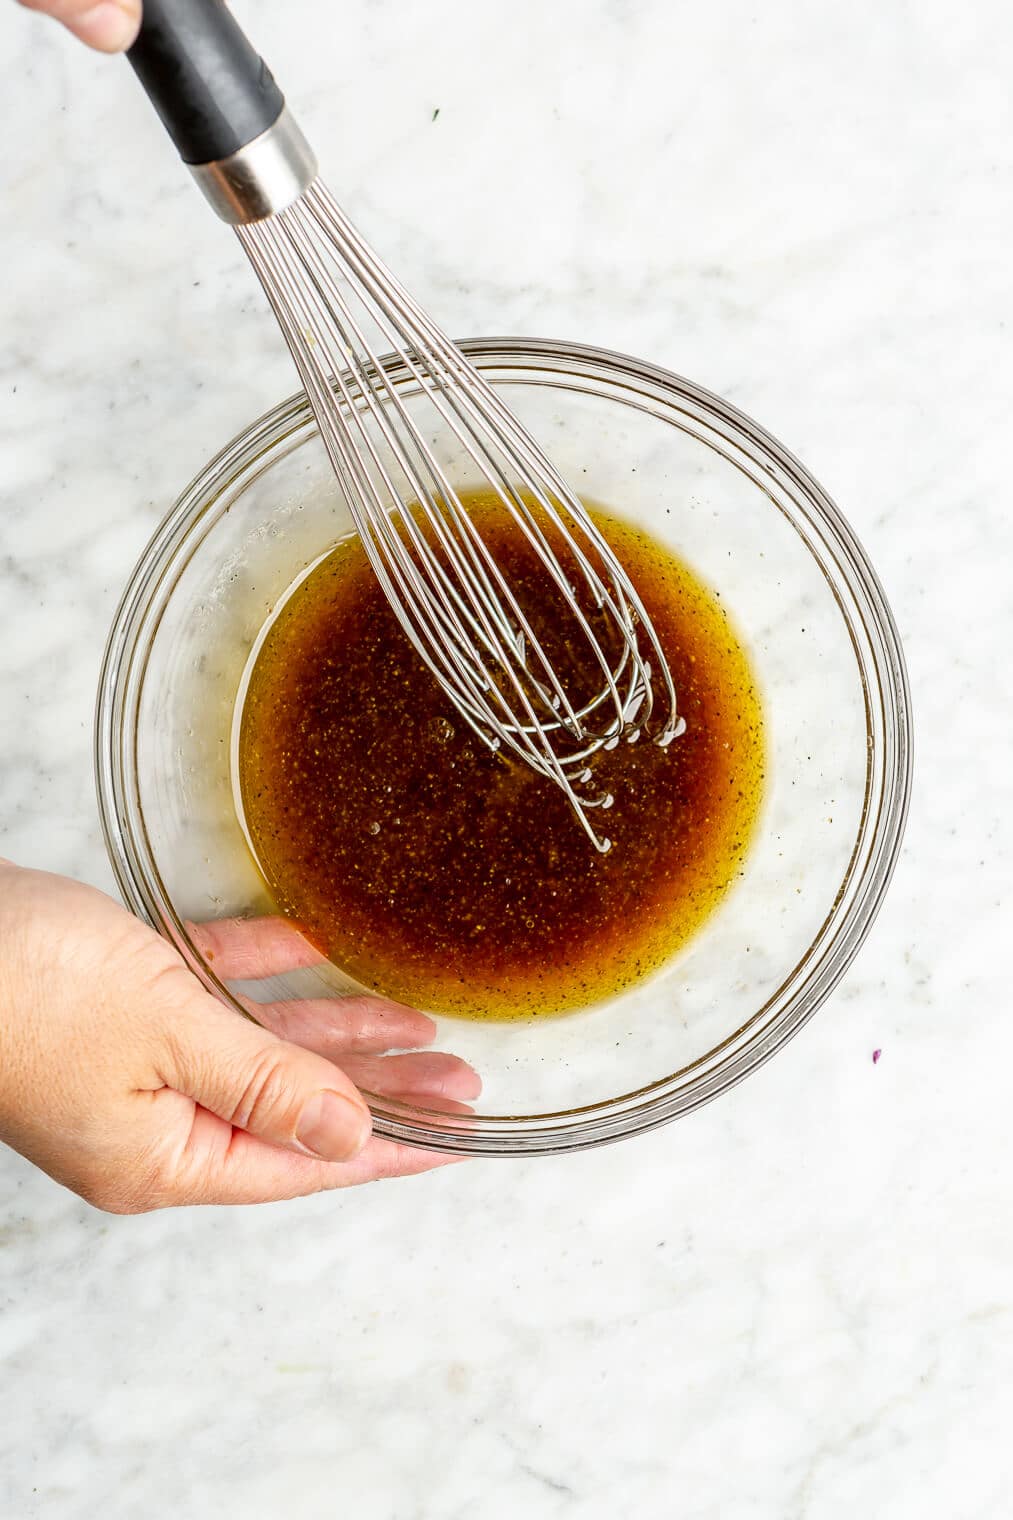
(750, 519)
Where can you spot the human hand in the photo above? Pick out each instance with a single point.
(126, 1081)
(111, 26)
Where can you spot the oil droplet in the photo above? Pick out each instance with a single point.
(442, 730)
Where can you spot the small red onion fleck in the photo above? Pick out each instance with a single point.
(875, 1056)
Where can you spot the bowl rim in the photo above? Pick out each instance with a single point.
(888, 777)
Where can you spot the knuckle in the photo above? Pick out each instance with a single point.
(147, 1183)
(168, 982)
(114, 1197)
(265, 1093)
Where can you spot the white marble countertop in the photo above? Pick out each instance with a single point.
(796, 1304)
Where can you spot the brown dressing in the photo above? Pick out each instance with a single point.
(445, 876)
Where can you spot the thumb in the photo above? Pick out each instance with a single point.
(111, 26)
(263, 1085)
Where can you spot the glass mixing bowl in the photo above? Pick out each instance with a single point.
(755, 525)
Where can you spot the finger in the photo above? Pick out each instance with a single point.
(246, 949)
(428, 1075)
(110, 26)
(383, 1159)
(274, 1090)
(337, 1027)
(222, 1165)
(432, 1104)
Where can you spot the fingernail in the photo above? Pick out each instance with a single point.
(109, 26)
(332, 1127)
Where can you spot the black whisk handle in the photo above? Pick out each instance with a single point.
(207, 82)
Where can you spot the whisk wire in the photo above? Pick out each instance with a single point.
(403, 585)
(409, 595)
(442, 578)
(473, 443)
(382, 399)
(529, 459)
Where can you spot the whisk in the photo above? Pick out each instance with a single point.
(337, 304)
